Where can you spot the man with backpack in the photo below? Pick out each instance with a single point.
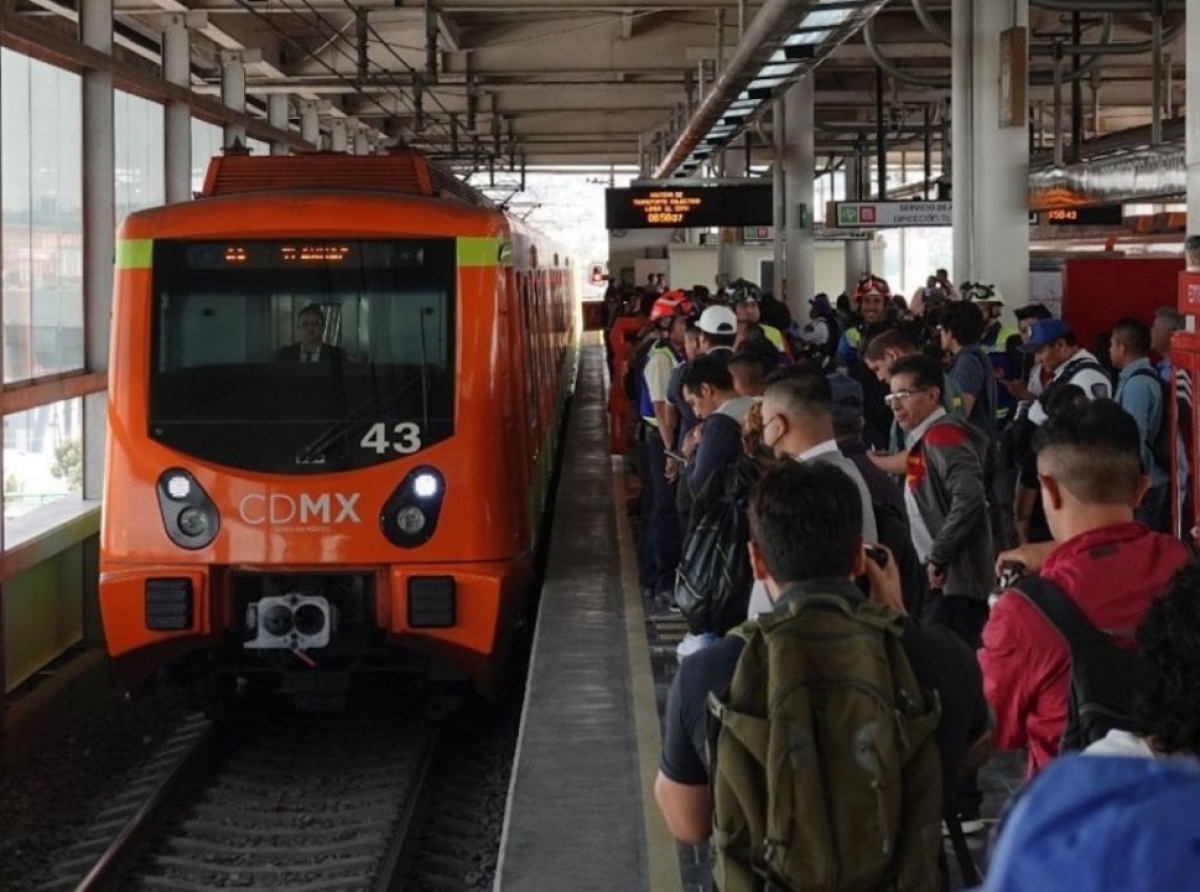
(794, 682)
(1053, 344)
(1102, 568)
(660, 533)
(1143, 394)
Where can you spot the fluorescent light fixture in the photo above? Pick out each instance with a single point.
(827, 18)
(781, 70)
(807, 37)
(766, 83)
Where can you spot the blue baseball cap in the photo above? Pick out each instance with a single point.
(1046, 331)
(1104, 824)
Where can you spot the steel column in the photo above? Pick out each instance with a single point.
(277, 116)
(99, 242)
(177, 115)
(800, 167)
(779, 194)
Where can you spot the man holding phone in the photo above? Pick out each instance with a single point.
(708, 389)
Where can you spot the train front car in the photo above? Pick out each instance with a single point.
(324, 451)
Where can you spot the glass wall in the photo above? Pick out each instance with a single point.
(140, 175)
(42, 169)
(43, 460)
(207, 140)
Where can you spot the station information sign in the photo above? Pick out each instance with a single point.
(1096, 215)
(890, 214)
(674, 207)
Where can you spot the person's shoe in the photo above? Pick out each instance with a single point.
(971, 823)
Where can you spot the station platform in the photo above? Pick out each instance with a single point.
(581, 813)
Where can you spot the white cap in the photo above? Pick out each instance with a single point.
(718, 320)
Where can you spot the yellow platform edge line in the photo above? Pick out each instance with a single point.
(662, 857)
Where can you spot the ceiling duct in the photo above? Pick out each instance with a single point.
(786, 40)
(1153, 173)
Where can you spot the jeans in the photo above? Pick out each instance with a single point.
(965, 617)
(1155, 510)
(660, 518)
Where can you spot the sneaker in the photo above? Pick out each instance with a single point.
(971, 824)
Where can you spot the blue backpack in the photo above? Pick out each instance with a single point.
(1102, 824)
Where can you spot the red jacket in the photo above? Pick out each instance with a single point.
(1112, 574)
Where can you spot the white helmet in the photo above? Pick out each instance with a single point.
(982, 293)
(718, 320)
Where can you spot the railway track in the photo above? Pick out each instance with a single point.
(281, 800)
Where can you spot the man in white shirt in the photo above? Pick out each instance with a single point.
(797, 414)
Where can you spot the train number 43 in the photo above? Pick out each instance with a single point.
(405, 438)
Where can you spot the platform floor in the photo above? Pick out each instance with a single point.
(581, 812)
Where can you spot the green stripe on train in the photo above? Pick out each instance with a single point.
(484, 252)
(134, 253)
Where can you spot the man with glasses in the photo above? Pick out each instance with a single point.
(946, 500)
(944, 494)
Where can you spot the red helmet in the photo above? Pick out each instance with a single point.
(869, 284)
(672, 303)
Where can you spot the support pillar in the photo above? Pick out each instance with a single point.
(310, 122)
(233, 89)
(99, 243)
(177, 116)
(338, 136)
(856, 253)
(779, 195)
(277, 116)
(799, 170)
(991, 163)
(1192, 75)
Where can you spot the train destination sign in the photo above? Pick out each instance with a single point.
(890, 214)
(675, 207)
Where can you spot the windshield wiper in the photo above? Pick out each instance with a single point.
(314, 452)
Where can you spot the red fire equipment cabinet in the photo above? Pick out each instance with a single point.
(1185, 360)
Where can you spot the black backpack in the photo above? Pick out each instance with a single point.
(714, 579)
(1103, 674)
(1073, 368)
(1160, 443)
(634, 366)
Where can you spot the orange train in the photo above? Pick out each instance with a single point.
(334, 403)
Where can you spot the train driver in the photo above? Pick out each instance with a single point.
(311, 348)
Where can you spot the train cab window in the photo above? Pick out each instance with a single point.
(302, 356)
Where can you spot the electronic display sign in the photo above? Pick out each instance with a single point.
(655, 207)
(1098, 215)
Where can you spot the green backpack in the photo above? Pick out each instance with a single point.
(825, 771)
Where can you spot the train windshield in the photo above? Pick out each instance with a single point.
(302, 356)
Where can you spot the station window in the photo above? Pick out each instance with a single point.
(138, 132)
(207, 141)
(43, 461)
(42, 170)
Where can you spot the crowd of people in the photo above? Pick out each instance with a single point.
(968, 521)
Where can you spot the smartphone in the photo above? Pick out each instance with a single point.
(878, 555)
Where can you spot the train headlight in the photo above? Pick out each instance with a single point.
(426, 486)
(410, 515)
(410, 520)
(178, 487)
(193, 521)
(189, 516)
